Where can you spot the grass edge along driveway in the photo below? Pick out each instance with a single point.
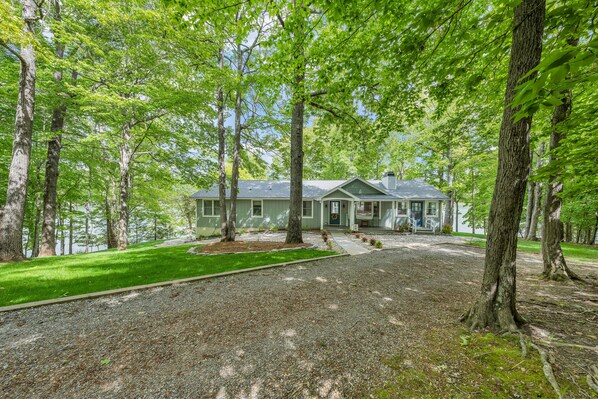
(573, 252)
(63, 276)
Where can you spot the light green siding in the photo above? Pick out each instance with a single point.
(275, 215)
(338, 194)
(359, 187)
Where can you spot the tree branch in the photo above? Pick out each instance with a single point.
(12, 51)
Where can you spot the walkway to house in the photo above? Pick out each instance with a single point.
(347, 245)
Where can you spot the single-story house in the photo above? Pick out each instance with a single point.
(354, 203)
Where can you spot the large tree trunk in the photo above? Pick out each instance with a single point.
(13, 212)
(496, 305)
(124, 165)
(111, 240)
(538, 188)
(234, 188)
(48, 244)
(568, 231)
(294, 232)
(555, 267)
(221, 154)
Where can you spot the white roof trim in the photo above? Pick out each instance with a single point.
(351, 180)
(338, 188)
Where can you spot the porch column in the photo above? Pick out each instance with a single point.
(321, 214)
(351, 214)
(440, 214)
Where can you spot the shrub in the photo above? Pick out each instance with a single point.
(447, 229)
(357, 235)
(325, 238)
(372, 241)
(364, 239)
(378, 244)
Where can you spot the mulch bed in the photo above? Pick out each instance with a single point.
(247, 246)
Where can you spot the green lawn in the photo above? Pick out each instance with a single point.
(571, 251)
(62, 276)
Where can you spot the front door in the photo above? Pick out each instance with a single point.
(335, 212)
(417, 212)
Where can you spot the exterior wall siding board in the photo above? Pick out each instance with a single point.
(275, 215)
(338, 194)
(359, 187)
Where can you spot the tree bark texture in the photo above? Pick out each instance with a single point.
(294, 227)
(221, 154)
(110, 205)
(555, 266)
(13, 212)
(568, 231)
(538, 190)
(496, 305)
(234, 188)
(294, 232)
(48, 243)
(126, 155)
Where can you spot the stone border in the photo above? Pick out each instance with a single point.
(93, 295)
(193, 252)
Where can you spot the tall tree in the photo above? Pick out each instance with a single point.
(13, 212)
(221, 152)
(294, 29)
(537, 203)
(48, 241)
(555, 266)
(496, 305)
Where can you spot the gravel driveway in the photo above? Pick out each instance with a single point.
(322, 329)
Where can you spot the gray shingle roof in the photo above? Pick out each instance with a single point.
(413, 189)
(406, 189)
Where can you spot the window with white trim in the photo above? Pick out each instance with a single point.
(211, 208)
(256, 208)
(376, 206)
(432, 209)
(402, 208)
(308, 209)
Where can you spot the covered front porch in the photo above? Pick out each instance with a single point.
(380, 214)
